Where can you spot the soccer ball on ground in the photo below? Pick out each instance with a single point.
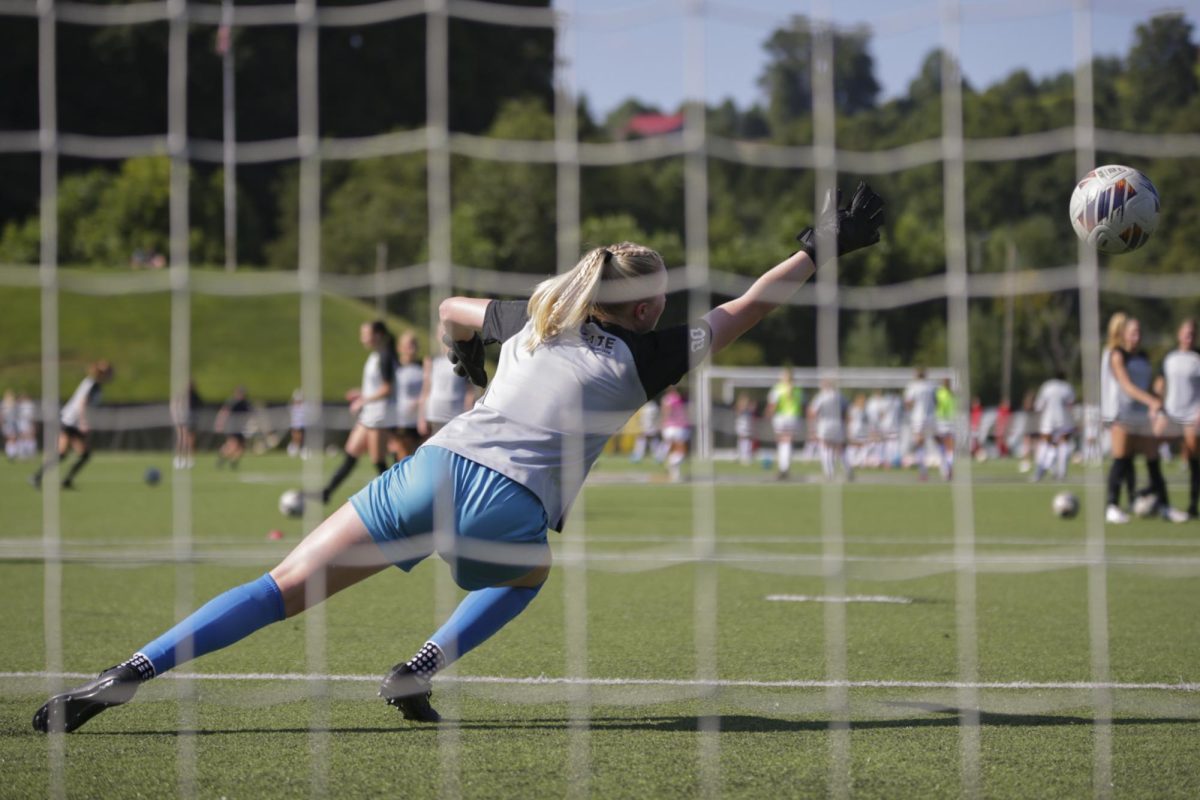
(1145, 506)
(152, 476)
(1065, 505)
(291, 503)
(1114, 209)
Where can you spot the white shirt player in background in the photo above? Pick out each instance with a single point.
(743, 427)
(1132, 430)
(920, 400)
(1054, 404)
(75, 433)
(27, 446)
(444, 393)
(1181, 404)
(827, 418)
(374, 403)
(858, 433)
(409, 389)
(1093, 435)
(297, 426)
(649, 436)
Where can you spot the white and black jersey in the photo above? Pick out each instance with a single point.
(829, 410)
(921, 397)
(407, 387)
(8, 412)
(447, 392)
(1110, 390)
(1181, 372)
(547, 414)
(1141, 374)
(380, 369)
(26, 416)
(1053, 403)
(86, 394)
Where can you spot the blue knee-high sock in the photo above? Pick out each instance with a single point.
(220, 622)
(480, 614)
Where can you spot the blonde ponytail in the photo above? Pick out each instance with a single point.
(1116, 330)
(566, 301)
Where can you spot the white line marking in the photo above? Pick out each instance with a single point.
(824, 598)
(722, 684)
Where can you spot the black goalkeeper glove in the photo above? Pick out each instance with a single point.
(467, 358)
(854, 227)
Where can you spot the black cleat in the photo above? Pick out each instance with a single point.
(65, 712)
(35, 480)
(409, 692)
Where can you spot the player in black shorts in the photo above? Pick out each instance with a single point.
(75, 433)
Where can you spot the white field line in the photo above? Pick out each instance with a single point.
(824, 598)
(707, 684)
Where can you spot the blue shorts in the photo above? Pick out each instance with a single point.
(494, 531)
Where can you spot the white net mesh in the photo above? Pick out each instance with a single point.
(440, 277)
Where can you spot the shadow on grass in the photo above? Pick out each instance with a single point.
(727, 723)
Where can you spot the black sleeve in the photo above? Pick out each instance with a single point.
(663, 357)
(503, 320)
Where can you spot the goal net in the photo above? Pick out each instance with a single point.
(826, 308)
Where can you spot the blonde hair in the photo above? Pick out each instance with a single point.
(565, 302)
(1116, 330)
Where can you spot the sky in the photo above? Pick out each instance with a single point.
(636, 48)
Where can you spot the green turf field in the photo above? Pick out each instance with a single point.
(640, 726)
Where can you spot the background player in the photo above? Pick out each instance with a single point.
(1181, 404)
(375, 405)
(409, 389)
(947, 415)
(183, 414)
(785, 403)
(920, 400)
(1054, 404)
(297, 425)
(444, 393)
(676, 431)
(75, 433)
(744, 420)
(826, 420)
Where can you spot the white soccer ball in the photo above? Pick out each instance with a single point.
(1065, 505)
(291, 503)
(1114, 209)
(1145, 506)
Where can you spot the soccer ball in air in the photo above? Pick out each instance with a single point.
(291, 503)
(1145, 506)
(1065, 505)
(1114, 209)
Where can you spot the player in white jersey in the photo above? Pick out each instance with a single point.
(297, 426)
(75, 431)
(920, 400)
(1054, 404)
(409, 389)
(375, 405)
(1132, 433)
(576, 362)
(857, 431)
(827, 418)
(1181, 404)
(744, 423)
(26, 426)
(1109, 393)
(444, 393)
(649, 433)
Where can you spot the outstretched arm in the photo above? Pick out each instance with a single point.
(851, 228)
(462, 317)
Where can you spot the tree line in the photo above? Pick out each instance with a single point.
(372, 80)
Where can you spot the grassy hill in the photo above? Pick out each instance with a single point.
(254, 341)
